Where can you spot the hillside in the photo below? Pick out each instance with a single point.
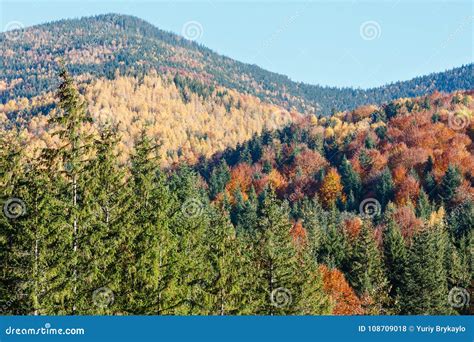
(369, 212)
(112, 45)
(186, 126)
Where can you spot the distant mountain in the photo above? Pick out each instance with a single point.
(111, 45)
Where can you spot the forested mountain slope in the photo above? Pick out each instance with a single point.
(367, 212)
(384, 195)
(186, 125)
(111, 45)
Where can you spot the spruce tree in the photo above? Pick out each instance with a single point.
(423, 206)
(149, 248)
(277, 260)
(334, 247)
(352, 184)
(111, 217)
(72, 158)
(314, 220)
(226, 286)
(220, 176)
(395, 257)
(426, 288)
(313, 299)
(367, 274)
(449, 184)
(248, 215)
(189, 221)
(384, 189)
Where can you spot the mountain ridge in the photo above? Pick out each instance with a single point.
(100, 45)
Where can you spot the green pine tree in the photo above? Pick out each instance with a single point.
(352, 184)
(72, 159)
(395, 257)
(367, 274)
(423, 206)
(146, 257)
(384, 189)
(426, 287)
(449, 184)
(277, 260)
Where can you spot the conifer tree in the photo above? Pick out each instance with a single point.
(425, 290)
(189, 221)
(367, 274)
(313, 299)
(16, 242)
(449, 184)
(395, 256)
(72, 158)
(277, 259)
(334, 246)
(228, 290)
(352, 184)
(147, 250)
(248, 216)
(423, 206)
(220, 176)
(314, 219)
(384, 188)
(111, 217)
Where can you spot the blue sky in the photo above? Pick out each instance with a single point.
(337, 43)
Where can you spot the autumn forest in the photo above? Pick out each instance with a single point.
(143, 174)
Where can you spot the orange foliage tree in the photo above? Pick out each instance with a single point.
(331, 188)
(240, 179)
(341, 293)
(298, 233)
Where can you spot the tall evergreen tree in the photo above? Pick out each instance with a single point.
(352, 184)
(248, 220)
(334, 247)
(110, 223)
(313, 299)
(425, 290)
(367, 274)
(423, 206)
(146, 247)
(72, 155)
(189, 221)
(227, 286)
(395, 257)
(315, 220)
(220, 176)
(449, 184)
(277, 259)
(384, 189)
